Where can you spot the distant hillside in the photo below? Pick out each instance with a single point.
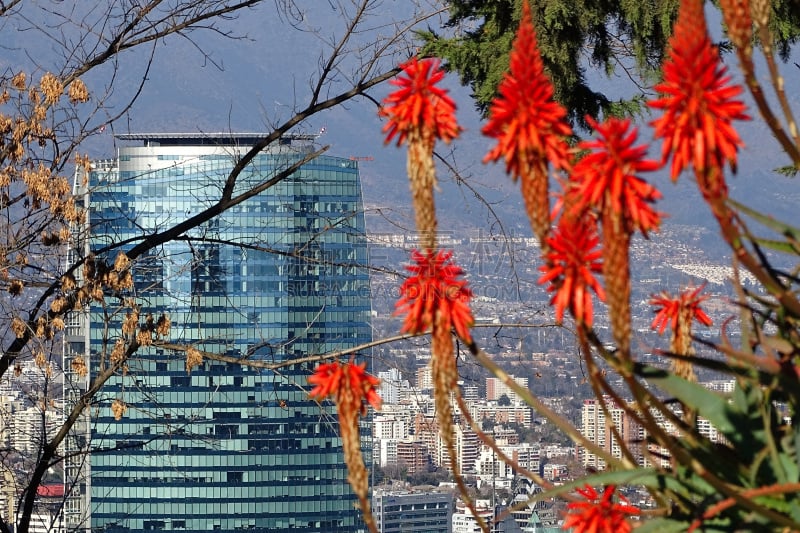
(247, 84)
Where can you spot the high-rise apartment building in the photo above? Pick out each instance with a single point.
(597, 428)
(496, 388)
(413, 456)
(279, 276)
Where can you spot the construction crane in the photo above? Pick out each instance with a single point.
(362, 158)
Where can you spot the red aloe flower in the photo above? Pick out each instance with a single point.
(327, 378)
(528, 124)
(670, 309)
(337, 380)
(435, 287)
(697, 99)
(350, 386)
(599, 514)
(571, 262)
(418, 105)
(605, 179)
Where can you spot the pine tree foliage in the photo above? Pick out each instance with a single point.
(785, 25)
(624, 37)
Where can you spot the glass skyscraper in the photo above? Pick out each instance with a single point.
(279, 276)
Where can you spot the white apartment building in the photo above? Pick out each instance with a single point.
(527, 455)
(5, 420)
(721, 385)
(597, 428)
(493, 471)
(392, 383)
(495, 388)
(519, 413)
(470, 393)
(387, 453)
(424, 378)
(465, 522)
(390, 427)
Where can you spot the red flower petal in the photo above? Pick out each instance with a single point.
(327, 378)
(571, 263)
(605, 180)
(671, 309)
(696, 98)
(347, 381)
(528, 124)
(435, 287)
(599, 514)
(418, 105)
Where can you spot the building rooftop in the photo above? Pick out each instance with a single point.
(206, 139)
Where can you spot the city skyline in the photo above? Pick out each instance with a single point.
(144, 342)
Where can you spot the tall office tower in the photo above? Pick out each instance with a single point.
(279, 276)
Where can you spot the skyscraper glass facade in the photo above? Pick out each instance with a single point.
(279, 276)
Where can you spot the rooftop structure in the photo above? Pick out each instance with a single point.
(413, 512)
(210, 139)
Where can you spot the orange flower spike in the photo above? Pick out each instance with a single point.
(528, 124)
(736, 14)
(339, 380)
(599, 514)
(418, 113)
(419, 105)
(364, 384)
(572, 260)
(605, 180)
(327, 378)
(350, 385)
(670, 309)
(697, 99)
(435, 287)
(605, 183)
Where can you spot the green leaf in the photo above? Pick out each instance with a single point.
(768, 221)
(661, 482)
(663, 525)
(796, 449)
(709, 405)
(776, 503)
(794, 511)
(666, 525)
(648, 477)
(789, 466)
(785, 247)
